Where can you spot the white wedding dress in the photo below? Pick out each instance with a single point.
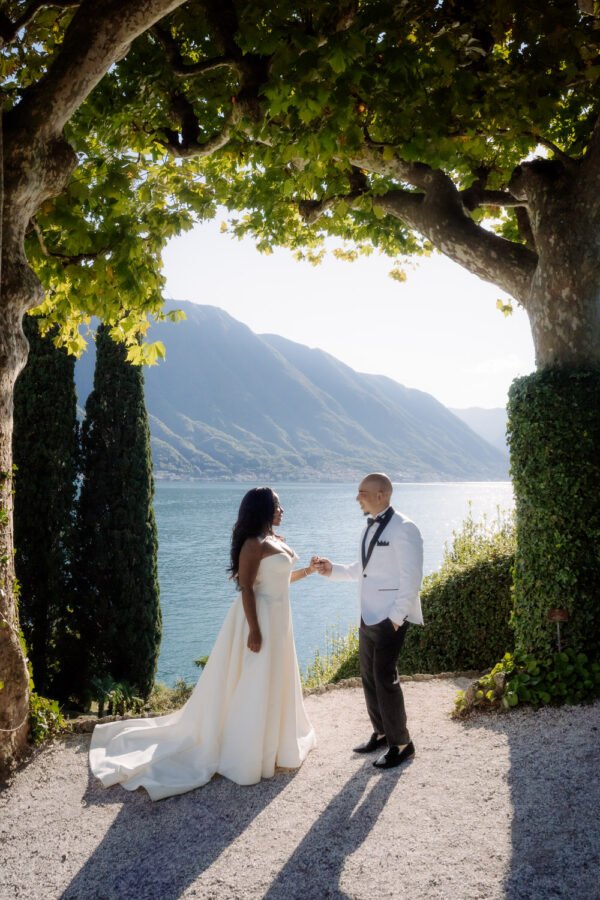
(245, 716)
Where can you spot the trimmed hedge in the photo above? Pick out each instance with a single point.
(466, 605)
(554, 434)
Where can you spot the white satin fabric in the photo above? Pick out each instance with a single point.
(245, 716)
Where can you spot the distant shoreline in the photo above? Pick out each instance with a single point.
(252, 479)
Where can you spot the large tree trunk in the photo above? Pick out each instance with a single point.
(564, 300)
(14, 677)
(32, 171)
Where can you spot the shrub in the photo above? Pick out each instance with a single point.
(467, 603)
(115, 698)
(164, 699)
(45, 719)
(562, 677)
(339, 661)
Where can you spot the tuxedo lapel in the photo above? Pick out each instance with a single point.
(366, 554)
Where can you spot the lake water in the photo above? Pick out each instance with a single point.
(194, 525)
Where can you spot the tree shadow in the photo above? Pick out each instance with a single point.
(156, 850)
(314, 869)
(555, 794)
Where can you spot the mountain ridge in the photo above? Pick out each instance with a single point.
(230, 404)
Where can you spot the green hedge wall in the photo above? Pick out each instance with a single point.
(466, 606)
(554, 434)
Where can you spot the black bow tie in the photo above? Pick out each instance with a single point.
(371, 520)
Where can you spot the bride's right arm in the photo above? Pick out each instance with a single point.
(250, 556)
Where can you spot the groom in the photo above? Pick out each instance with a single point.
(389, 577)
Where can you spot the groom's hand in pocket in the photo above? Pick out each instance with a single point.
(255, 641)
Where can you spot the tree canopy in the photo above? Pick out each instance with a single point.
(394, 126)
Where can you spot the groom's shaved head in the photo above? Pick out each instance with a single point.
(377, 481)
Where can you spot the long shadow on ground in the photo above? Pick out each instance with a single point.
(315, 868)
(156, 850)
(555, 792)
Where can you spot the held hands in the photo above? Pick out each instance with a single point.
(321, 565)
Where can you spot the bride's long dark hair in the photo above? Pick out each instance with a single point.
(255, 517)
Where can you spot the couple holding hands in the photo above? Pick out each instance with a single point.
(246, 714)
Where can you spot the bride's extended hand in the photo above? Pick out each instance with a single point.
(255, 641)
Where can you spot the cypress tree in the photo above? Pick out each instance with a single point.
(45, 449)
(118, 594)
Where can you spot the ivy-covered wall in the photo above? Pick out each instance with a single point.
(554, 436)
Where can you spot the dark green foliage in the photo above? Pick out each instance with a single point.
(45, 450)
(466, 604)
(118, 596)
(45, 719)
(562, 677)
(554, 434)
(115, 698)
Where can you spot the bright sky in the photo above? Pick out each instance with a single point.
(439, 331)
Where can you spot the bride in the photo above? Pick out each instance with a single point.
(246, 714)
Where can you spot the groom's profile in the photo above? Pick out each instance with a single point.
(389, 576)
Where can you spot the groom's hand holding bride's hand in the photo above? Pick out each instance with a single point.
(321, 565)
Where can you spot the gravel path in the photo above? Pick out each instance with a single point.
(499, 807)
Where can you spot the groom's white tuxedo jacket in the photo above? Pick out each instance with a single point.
(388, 586)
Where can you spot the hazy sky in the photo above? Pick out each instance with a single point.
(439, 331)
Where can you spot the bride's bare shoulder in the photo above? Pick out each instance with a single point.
(252, 546)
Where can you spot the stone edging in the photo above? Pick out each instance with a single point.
(86, 724)
(356, 682)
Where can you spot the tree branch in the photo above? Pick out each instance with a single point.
(570, 164)
(443, 221)
(66, 259)
(476, 196)
(312, 210)
(188, 142)
(9, 30)
(180, 67)
(98, 35)
(372, 157)
(524, 226)
(440, 215)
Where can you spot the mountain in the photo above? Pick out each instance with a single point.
(231, 404)
(490, 424)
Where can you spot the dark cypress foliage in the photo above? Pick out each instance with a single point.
(118, 595)
(45, 449)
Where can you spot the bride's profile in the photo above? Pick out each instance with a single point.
(246, 714)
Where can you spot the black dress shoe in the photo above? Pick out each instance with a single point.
(373, 743)
(395, 757)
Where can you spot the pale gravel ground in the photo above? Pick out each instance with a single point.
(500, 807)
